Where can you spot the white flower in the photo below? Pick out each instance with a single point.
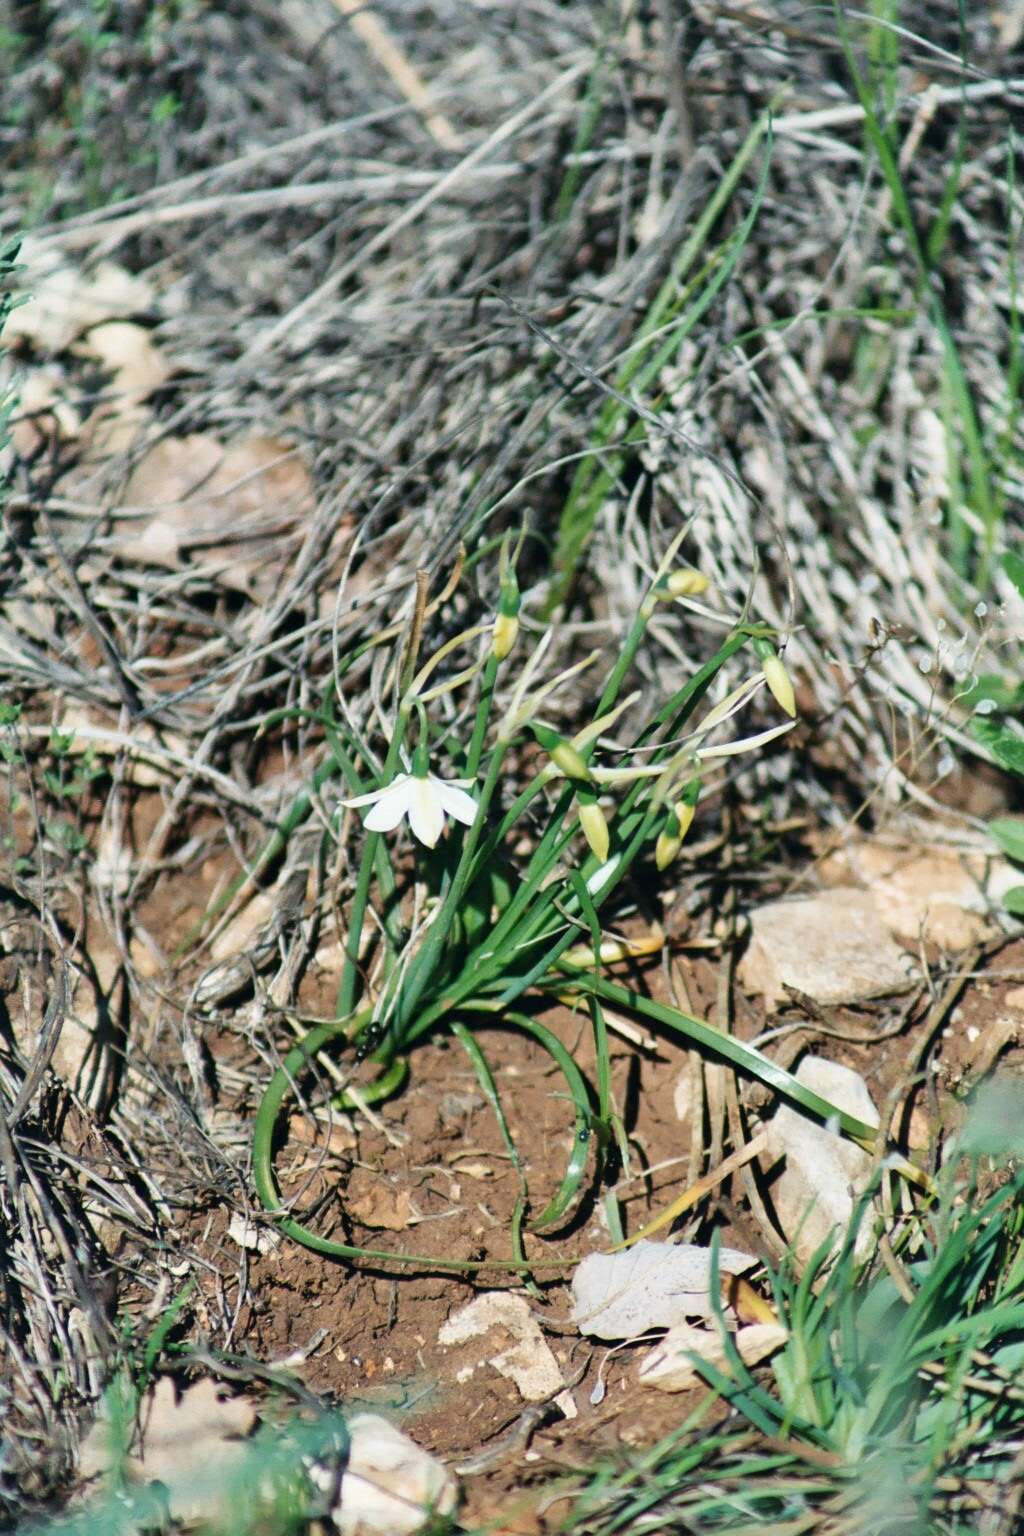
(426, 800)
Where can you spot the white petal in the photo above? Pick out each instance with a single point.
(425, 814)
(376, 794)
(455, 801)
(392, 804)
(747, 744)
(599, 879)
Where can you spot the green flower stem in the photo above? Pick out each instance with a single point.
(384, 872)
(622, 665)
(508, 821)
(555, 838)
(348, 986)
(577, 1164)
(483, 716)
(425, 962)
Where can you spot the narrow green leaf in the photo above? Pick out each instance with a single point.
(1006, 746)
(1013, 565)
(1008, 832)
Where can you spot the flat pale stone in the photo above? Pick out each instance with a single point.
(834, 947)
(824, 1173)
(390, 1486)
(527, 1361)
(945, 896)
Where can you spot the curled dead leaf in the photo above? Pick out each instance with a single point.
(651, 1285)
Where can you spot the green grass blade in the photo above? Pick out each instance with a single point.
(746, 1057)
(642, 363)
(577, 1166)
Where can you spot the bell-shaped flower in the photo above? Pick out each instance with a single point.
(422, 798)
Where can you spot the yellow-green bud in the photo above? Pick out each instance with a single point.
(581, 956)
(665, 849)
(677, 823)
(777, 678)
(506, 630)
(566, 758)
(594, 828)
(685, 811)
(686, 583)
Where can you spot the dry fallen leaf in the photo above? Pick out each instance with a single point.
(474, 1169)
(383, 1207)
(220, 505)
(670, 1368)
(44, 414)
(651, 1285)
(129, 353)
(137, 368)
(64, 301)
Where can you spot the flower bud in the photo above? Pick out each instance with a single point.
(777, 678)
(581, 956)
(685, 583)
(677, 823)
(566, 758)
(594, 828)
(666, 848)
(685, 810)
(506, 630)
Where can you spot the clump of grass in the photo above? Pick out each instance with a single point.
(623, 422)
(977, 505)
(895, 1404)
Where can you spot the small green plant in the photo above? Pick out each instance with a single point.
(503, 932)
(894, 1406)
(73, 771)
(977, 500)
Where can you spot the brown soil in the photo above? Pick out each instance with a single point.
(367, 1336)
